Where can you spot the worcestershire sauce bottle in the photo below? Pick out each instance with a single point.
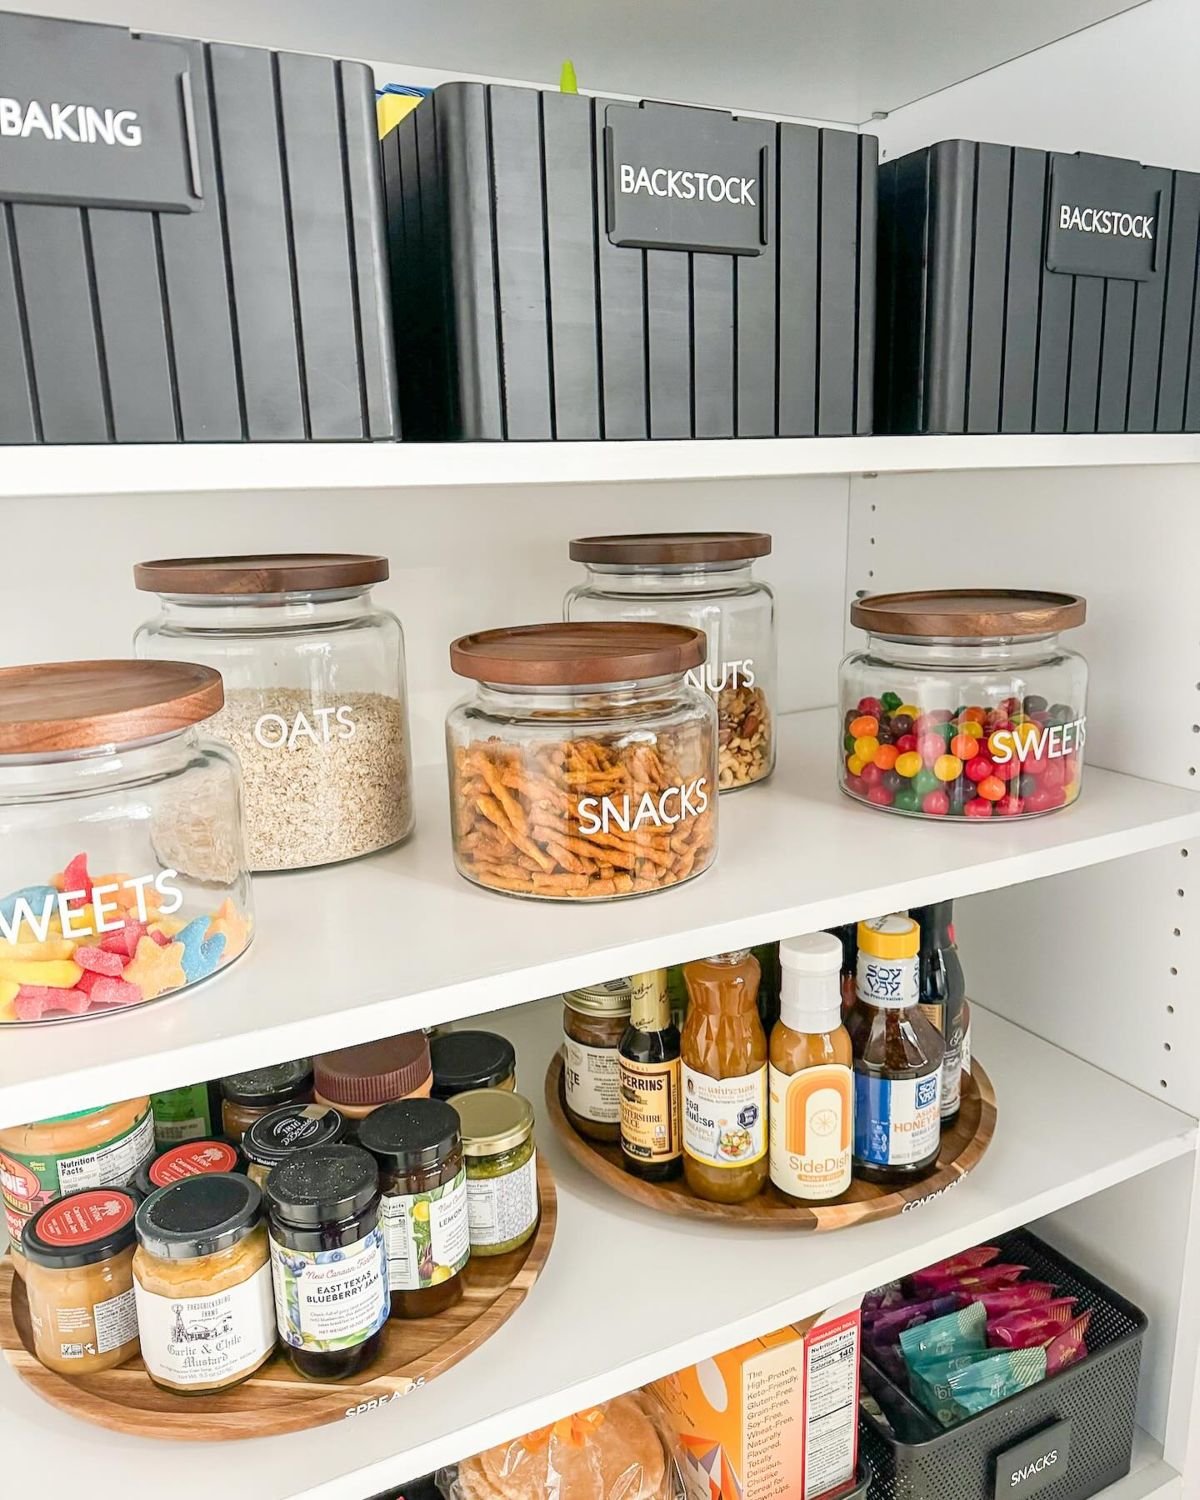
(943, 992)
(648, 1060)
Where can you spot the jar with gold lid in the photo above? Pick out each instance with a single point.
(594, 1021)
(501, 1160)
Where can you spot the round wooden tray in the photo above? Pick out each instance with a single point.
(275, 1399)
(962, 1147)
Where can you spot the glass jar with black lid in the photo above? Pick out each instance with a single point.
(465, 1060)
(328, 1260)
(246, 1097)
(418, 1147)
(296, 1127)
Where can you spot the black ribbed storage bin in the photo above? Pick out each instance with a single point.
(1084, 1415)
(195, 252)
(996, 315)
(540, 299)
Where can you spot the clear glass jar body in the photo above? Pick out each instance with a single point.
(963, 728)
(583, 794)
(63, 1303)
(126, 872)
(736, 612)
(316, 710)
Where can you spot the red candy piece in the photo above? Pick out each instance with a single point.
(926, 722)
(905, 743)
(1008, 770)
(1055, 774)
(979, 767)
(124, 942)
(88, 981)
(936, 803)
(76, 878)
(870, 706)
(856, 785)
(1010, 806)
(871, 774)
(978, 807)
(33, 1001)
(108, 991)
(160, 938)
(98, 961)
(1036, 765)
(1044, 799)
(880, 795)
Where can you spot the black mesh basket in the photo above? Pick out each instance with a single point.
(1084, 1415)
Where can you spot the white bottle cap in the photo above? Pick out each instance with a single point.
(810, 994)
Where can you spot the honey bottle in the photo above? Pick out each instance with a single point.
(648, 1062)
(898, 1056)
(810, 1074)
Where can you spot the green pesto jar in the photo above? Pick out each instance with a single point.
(501, 1162)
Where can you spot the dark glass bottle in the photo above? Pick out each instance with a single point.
(848, 937)
(943, 995)
(649, 1063)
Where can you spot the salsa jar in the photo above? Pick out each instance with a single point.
(594, 1021)
(466, 1060)
(122, 857)
(79, 1281)
(417, 1145)
(246, 1097)
(964, 704)
(704, 579)
(584, 766)
(501, 1160)
(315, 696)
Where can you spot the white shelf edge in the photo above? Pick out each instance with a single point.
(178, 468)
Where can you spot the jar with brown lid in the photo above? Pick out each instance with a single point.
(594, 1021)
(246, 1097)
(357, 1080)
(417, 1145)
(584, 766)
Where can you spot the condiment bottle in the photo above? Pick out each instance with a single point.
(651, 1126)
(724, 1054)
(811, 1074)
(848, 937)
(897, 1058)
(943, 995)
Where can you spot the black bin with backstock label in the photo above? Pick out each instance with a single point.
(573, 267)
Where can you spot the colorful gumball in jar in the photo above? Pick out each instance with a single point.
(964, 704)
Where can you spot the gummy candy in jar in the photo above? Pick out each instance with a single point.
(964, 704)
(122, 856)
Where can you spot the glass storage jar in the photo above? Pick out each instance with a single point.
(246, 1097)
(963, 704)
(315, 696)
(584, 766)
(501, 1162)
(466, 1060)
(122, 855)
(704, 579)
(594, 1021)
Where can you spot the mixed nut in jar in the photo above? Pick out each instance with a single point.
(703, 579)
(585, 765)
(964, 704)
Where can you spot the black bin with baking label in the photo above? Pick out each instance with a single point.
(192, 242)
(1033, 291)
(573, 267)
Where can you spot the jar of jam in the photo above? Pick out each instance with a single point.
(417, 1145)
(245, 1097)
(594, 1021)
(328, 1260)
(465, 1060)
(295, 1127)
(356, 1080)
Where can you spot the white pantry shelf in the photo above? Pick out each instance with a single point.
(358, 951)
(1149, 1477)
(1065, 1131)
(180, 468)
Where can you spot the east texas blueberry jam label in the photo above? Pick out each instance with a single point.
(1103, 217)
(685, 179)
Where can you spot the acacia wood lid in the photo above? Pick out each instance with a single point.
(578, 654)
(672, 547)
(262, 573)
(972, 614)
(77, 705)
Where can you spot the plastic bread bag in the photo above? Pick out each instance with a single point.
(622, 1450)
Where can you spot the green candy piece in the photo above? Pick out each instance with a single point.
(925, 781)
(848, 744)
(908, 800)
(947, 731)
(891, 701)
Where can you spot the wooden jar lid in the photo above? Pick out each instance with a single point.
(77, 705)
(264, 573)
(667, 548)
(578, 654)
(968, 614)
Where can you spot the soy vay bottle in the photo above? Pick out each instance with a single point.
(724, 1051)
(898, 1056)
(943, 995)
(810, 1074)
(649, 1071)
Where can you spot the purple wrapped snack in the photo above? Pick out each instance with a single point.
(888, 1326)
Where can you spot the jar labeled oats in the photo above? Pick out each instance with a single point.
(315, 696)
(703, 579)
(584, 766)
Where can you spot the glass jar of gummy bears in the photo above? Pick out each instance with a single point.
(964, 704)
(122, 853)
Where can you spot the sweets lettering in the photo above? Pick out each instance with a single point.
(83, 124)
(672, 182)
(80, 917)
(1047, 742)
(602, 814)
(1107, 221)
(273, 731)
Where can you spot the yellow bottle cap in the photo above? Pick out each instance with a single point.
(889, 937)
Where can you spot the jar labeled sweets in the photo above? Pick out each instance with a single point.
(122, 856)
(502, 1191)
(704, 579)
(315, 698)
(964, 704)
(594, 1021)
(584, 766)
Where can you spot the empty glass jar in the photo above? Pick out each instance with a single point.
(964, 704)
(315, 697)
(704, 579)
(122, 854)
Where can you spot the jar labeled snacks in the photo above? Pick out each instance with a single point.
(964, 704)
(122, 854)
(502, 1191)
(594, 1021)
(315, 696)
(79, 1280)
(584, 766)
(703, 579)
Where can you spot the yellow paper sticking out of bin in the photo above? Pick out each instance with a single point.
(393, 102)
